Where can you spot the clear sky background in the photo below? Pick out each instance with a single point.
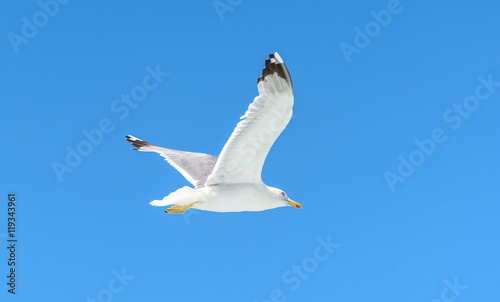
(365, 90)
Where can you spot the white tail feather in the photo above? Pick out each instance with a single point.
(182, 196)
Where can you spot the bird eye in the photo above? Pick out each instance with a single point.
(283, 193)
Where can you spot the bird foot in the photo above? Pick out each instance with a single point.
(179, 209)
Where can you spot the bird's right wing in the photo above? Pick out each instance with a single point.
(243, 156)
(195, 167)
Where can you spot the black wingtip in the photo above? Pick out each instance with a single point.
(275, 67)
(137, 143)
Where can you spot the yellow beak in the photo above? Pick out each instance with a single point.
(294, 204)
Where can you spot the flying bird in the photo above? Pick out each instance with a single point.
(232, 181)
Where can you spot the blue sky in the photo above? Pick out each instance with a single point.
(392, 150)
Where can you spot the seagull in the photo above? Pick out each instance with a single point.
(232, 181)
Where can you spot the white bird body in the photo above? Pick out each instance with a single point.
(225, 198)
(232, 182)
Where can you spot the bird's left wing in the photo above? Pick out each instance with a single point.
(243, 156)
(195, 167)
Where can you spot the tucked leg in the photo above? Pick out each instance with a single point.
(179, 209)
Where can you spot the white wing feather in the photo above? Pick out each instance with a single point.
(195, 167)
(243, 156)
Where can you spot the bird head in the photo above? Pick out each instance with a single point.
(281, 196)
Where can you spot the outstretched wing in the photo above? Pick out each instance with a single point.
(243, 156)
(195, 167)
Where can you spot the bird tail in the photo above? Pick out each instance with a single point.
(182, 196)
